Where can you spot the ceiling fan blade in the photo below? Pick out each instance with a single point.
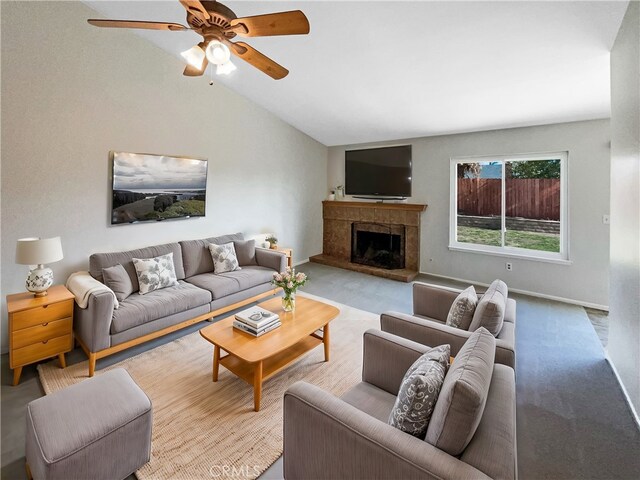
(135, 24)
(284, 23)
(257, 59)
(191, 71)
(196, 8)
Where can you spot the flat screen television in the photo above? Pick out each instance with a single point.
(378, 172)
(149, 187)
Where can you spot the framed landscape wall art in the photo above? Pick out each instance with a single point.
(148, 187)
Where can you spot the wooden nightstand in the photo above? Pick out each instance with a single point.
(39, 327)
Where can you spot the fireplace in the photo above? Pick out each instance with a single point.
(343, 220)
(378, 245)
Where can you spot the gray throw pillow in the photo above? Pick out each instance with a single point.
(463, 396)
(490, 309)
(461, 311)
(117, 279)
(224, 258)
(155, 273)
(419, 392)
(245, 252)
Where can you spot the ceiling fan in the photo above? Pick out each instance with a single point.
(217, 24)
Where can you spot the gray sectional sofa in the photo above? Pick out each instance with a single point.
(200, 294)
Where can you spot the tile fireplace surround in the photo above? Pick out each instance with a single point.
(339, 218)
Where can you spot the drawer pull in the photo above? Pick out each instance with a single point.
(45, 342)
(45, 306)
(45, 324)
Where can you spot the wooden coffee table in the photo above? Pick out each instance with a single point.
(255, 359)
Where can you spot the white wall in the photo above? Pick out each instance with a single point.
(624, 334)
(586, 279)
(72, 92)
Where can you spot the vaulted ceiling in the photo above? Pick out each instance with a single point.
(373, 71)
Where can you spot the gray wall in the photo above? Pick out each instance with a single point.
(586, 279)
(624, 334)
(72, 92)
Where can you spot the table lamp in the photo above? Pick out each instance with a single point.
(36, 252)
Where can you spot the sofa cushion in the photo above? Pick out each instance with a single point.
(221, 285)
(492, 449)
(224, 258)
(245, 252)
(419, 392)
(463, 395)
(139, 309)
(98, 261)
(250, 276)
(218, 286)
(462, 309)
(491, 308)
(117, 279)
(196, 255)
(371, 400)
(155, 273)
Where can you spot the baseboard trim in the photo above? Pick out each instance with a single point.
(571, 301)
(306, 260)
(634, 412)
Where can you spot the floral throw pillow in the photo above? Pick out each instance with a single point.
(419, 392)
(224, 257)
(462, 309)
(155, 273)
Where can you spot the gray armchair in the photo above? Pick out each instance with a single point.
(326, 437)
(431, 305)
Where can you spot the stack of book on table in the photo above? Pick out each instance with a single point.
(256, 321)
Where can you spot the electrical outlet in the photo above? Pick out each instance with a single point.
(606, 219)
(509, 266)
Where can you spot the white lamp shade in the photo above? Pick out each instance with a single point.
(217, 52)
(194, 56)
(36, 251)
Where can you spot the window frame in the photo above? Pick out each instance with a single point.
(561, 257)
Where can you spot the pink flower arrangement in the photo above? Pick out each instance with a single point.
(289, 281)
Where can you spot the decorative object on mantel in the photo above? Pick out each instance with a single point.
(332, 196)
(37, 252)
(273, 241)
(149, 187)
(290, 282)
(339, 194)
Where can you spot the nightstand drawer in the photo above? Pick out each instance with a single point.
(39, 315)
(39, 333)
(41, 350)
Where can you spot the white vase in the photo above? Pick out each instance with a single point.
(39, 280)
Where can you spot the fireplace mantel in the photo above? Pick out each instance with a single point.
(338, 217)
(412, 207)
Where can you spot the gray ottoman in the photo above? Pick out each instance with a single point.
(99, 428)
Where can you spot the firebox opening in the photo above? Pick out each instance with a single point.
(378, 249)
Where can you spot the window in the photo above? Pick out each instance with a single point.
(510, 205)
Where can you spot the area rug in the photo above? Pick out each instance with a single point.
(203, 429)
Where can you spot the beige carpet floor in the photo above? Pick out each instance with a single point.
(203, 429)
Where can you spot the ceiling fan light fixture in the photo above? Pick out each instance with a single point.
(217, 52)
(226, 68)
(194, 56)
